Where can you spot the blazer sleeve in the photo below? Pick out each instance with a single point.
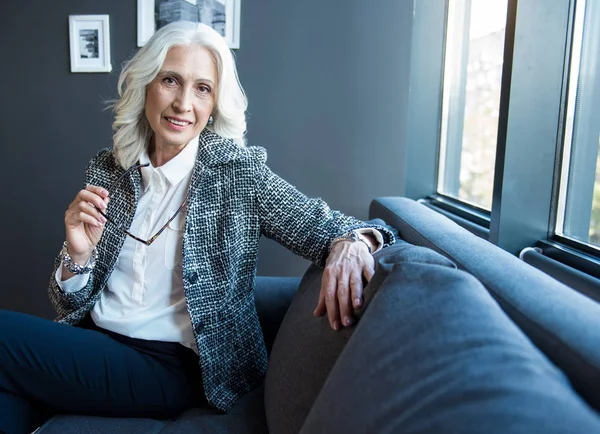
(67, 302)
(304, 225)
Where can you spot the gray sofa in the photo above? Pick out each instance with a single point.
(456, 335)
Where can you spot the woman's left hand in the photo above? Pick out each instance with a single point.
(342, 283)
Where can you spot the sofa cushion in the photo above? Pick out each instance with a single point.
(560, 321)
(433, 352)
(247, 416)
(272, 298)
(73, 424)
(303, 353)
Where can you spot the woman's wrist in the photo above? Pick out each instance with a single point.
(78, 263)
(370, 241)
(80, 259)
(77, 255)
(352, 237)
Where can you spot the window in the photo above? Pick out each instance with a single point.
(578, 216)
(513, 158)
(472, 81)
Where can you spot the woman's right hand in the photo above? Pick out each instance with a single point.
(84, 224)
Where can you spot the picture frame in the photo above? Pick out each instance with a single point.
(146, 22)
(222, 15)
(89, 40)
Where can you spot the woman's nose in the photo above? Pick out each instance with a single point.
(183, 101)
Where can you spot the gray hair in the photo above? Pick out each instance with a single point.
(132, 130)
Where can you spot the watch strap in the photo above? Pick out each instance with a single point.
(349, 236)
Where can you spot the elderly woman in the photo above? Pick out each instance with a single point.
(157, 270)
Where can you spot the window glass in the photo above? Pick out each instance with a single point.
(471, 99)
(578, 214)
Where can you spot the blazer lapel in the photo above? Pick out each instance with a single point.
(124, 203)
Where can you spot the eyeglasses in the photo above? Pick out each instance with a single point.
(151, 240)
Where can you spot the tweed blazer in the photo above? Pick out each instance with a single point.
(233, 199)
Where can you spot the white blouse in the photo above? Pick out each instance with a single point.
(144, 297)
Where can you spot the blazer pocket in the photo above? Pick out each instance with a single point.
(173, 242)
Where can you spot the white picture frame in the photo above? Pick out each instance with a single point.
(89, 40)
(147, 17)
(146, 22)
(233, 10)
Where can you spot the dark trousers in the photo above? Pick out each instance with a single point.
(48, 368)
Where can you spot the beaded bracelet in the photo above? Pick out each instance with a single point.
(74, 267)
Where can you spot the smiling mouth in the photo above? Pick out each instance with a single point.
(176, 122)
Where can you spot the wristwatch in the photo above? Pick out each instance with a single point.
(75, 268)
(349, 236)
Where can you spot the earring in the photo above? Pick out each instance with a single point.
(210, 120)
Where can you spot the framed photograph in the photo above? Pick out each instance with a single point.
(221, 15)
(89, 38)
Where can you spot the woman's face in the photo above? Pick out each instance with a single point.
(181, 97)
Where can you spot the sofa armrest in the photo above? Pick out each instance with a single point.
(434, 353)
(560, 321)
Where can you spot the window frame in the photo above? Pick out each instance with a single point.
(574, 229)
(522, 204)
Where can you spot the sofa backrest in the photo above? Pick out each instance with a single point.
(561, 322)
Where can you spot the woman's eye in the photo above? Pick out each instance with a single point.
(169, 80)
(203, 89)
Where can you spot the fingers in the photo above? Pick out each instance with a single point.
(337, 291)
(342, 284)
(320, 310)
(96, 196)
(87, 207)
(328, 299)
(346, 287)
(87, 213)
(356, 286)
(102, 192)
(331, 299)
(369, 270)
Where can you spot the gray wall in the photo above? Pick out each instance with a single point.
(52, 122)
(327, 84)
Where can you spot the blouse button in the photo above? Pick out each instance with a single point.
(193, 277)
